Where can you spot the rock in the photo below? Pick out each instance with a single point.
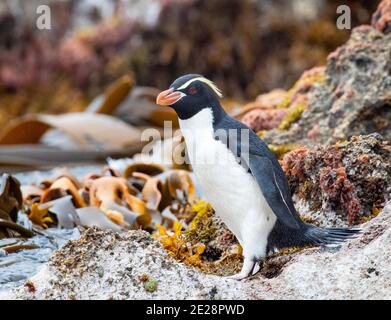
(261, 119)
(355, 97)
(381, 19)
(340, 184)
(270, 100)
(107, 265)
(278, 108)
(262, 114)
(358, 270)
(104, 264)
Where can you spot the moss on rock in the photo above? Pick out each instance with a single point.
(202, 229)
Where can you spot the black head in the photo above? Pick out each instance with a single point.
(189, 94)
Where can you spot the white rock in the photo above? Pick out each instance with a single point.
(109, 266)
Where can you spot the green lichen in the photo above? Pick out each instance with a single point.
(299, 88)
(309, 220)
(373, 214)
(281, 150)
(292, 250)
(286, 102)
(292, 116)
(150, 284)
(305, 190)
(261, 133)
(304, 81)
(201, 229)
(101, 272)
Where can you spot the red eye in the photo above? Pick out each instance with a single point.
(192, 90)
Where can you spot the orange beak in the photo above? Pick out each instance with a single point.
(168, 97)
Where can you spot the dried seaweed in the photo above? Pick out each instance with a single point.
(11, 201)
(40, 216)
(175, 243)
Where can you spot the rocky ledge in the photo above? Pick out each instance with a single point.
(131, 265)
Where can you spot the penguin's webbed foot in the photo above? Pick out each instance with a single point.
(238, 276)
(250, 267)
(256, 269)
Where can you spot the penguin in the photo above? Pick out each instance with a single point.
(240, 176)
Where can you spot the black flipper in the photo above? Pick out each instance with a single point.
(275, 190)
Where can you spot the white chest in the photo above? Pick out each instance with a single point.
(231, 190)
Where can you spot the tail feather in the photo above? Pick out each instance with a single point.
(322, 236)
(283, 236)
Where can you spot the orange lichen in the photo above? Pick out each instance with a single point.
(381, 19)
(319, 175)
(292, 163)
(263, 119)
(30, 286)
(335, 183)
